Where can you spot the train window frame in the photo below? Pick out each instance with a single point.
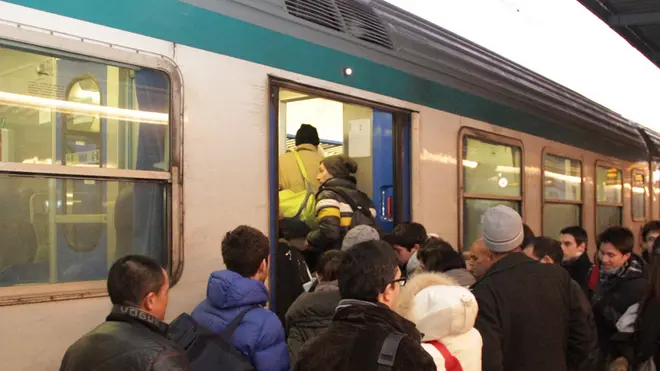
(486, 136)
(597, 204)
(558, 153)
(67, 46)
(641, 172)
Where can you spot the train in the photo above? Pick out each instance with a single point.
(154, 127)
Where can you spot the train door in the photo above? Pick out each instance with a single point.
(375, 137)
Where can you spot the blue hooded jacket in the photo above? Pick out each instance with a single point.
(260, 336)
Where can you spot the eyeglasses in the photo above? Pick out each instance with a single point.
(401, 281)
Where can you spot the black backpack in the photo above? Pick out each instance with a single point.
(361, 213)
(208, 350)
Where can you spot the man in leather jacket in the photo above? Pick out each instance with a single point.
(133, 336)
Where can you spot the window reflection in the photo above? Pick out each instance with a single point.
(43, 239)
(562, 178)
(609, 183)
(491, 168)
(128, 107)
(558, 216)
(638, 195)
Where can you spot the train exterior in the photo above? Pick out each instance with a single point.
(154, 126)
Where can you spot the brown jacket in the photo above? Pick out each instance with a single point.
(290, 176)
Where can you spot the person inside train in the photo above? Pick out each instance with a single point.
(307, 143)
(574, 245)
(339, 206)
(407, 237)
(549, 251)
(524, 318)
(365, 327)
(132, 338)
(650, 232)
(312, 312)
(260, 335)
(444, 312)
(621, 283)
(437, 255)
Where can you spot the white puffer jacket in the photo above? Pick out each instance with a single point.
(446, 313)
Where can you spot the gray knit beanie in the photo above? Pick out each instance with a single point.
(359, 234)
(503, 229)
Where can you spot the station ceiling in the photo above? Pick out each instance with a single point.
(637, 21)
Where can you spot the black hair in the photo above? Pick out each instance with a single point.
(407, 235)
(653, 285)
(437, 255)
(243, 250)
(328, 265)
(546, 246)
(307, 134)
(366, 270)
(652, 226)
(578, 233)
(528, 235)
(622, 238)
(132, 277)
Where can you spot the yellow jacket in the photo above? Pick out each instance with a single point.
(290, 176)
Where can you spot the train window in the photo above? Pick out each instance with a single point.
(562, 194)
(491, 176)
(609, 198)
(89, 173)
(638, 195)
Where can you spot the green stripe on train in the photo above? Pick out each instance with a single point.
(186, 24)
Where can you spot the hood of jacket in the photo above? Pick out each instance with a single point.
(462, 276)
(442, 311)
(227, 289)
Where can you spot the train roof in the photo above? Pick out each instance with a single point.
(392, 52)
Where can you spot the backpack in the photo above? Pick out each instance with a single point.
(361, 213)
(299, 205)
(388, 351)
(208, 350)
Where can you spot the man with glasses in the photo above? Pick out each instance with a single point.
(650, 232)
(369, 284)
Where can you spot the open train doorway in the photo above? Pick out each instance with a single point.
(375, 137)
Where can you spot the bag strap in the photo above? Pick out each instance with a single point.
(233, 325)
(308, 185)
(354, 206)
(388, 351)
(451, 362)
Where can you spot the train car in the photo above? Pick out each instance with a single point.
(154, 127)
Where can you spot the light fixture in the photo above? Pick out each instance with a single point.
(348, 71)
(28, 101)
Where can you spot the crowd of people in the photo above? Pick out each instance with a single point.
(351, 297)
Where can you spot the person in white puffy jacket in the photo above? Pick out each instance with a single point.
(444, 313)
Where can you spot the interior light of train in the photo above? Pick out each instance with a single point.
(112, 113)
(503, 182)
(470, 164)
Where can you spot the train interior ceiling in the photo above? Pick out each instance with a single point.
(62, 110)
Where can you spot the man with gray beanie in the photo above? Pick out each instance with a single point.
(527, 317)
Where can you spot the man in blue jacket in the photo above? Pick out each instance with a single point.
(260, 336)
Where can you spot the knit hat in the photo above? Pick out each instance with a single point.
(340, 166)
(307, 134)
(503, 229)
(359, 234)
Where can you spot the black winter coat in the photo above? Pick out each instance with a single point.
(608, 305)
(334, 214)
(530, 317)
(310, 315)
(125, 342)
(579, 271)
(354, 339)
